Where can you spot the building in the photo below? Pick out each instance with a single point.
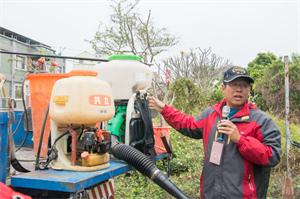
(15, 69)
(84, 64)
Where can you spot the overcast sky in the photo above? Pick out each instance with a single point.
(236, 30)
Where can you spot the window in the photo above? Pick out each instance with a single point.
(20, 63)
(18, 91)
(81, 61)
(58, 69)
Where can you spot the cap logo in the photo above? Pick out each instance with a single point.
(238, 70)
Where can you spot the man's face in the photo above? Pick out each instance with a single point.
(236, 92)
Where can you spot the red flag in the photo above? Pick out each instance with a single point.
(168, 72)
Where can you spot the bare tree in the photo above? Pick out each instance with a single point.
(199, 71)
(202, 66)
(161, 89)
(128, 32)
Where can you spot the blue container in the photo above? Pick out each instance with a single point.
(20, 134)
(6, 117)
(3, 145)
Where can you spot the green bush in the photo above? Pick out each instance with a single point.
(269, 87)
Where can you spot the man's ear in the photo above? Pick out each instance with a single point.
(223, 88)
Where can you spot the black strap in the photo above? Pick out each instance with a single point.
(17, 166)
(168, 146)
(148, 139)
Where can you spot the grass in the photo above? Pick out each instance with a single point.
(187, 163)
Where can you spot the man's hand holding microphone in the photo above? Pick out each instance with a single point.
(227, 127)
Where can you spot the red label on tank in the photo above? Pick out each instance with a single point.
(100, 100)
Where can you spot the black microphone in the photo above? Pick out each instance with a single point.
(225, 115)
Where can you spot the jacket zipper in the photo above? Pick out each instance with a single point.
(251, 186)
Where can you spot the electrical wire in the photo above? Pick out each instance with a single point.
(18, 124)
(67, 48)
(27, 122)
(41, 138)
(81, 132)
(65, 133)
(37, 160)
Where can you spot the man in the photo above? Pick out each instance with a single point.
(251, 146)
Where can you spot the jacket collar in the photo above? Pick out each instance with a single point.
(241, 114)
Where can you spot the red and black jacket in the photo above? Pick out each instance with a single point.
(245, 166)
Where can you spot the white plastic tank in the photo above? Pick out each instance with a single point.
(125, 74)
(81, 99)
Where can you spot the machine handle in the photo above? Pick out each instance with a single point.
(295, 143)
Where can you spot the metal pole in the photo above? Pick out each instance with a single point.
(61, 57)
(53, 56)
(287, 113)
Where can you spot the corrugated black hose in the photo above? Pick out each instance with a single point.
(145, 166)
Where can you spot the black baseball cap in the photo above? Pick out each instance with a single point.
(235, 72)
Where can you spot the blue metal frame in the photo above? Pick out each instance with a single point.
(71, 181)
(3, 144)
